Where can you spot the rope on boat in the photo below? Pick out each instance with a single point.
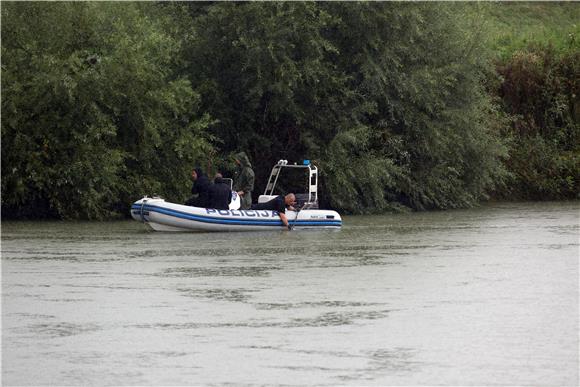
(141, 211)
(305, 205)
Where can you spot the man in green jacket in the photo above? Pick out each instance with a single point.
(244, 180)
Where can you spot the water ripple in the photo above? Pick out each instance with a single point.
(225, 271)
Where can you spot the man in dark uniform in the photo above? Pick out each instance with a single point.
(219, 194)
(279, 203)
(200, 188)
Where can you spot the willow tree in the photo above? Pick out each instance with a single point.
(93, 113)
(423, 67)
(263, 72)
(387, 96)
(103, 102)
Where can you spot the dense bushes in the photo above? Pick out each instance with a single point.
(539, 88)
(387, 97)
(105, 102)
(93, 114)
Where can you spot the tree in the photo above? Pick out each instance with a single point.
(93, 114)
(394, 88)
(539, 87)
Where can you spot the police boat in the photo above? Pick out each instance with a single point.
(165, 216)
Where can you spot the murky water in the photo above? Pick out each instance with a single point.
(479, 297)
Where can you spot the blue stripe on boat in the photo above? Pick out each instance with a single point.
(216, 220)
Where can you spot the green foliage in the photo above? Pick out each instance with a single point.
(263, 72)
(387, 96)
(358, 178)
(399, 103)
(93, 115)
(421, 66)
(513, 26)
(543, 171)
(539, 88)
(537, 47)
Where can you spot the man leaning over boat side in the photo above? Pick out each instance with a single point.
(244, 180)
(279, 203)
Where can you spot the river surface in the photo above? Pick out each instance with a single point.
(473, 297)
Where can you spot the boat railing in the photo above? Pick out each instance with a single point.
(310, 198)
(303, 200)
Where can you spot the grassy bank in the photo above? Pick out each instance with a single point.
(514, 26)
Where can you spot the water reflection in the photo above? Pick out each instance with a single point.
(319, 304)
(322, 320)
(384, 362)
(234, 295)
(226, 271)
(55, 329)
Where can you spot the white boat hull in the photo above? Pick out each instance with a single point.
(164, 216)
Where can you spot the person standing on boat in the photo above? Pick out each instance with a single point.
(279, 203)
(219, 194)
(200, 188)
(244, 180)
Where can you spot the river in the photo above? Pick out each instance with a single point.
(487, 296)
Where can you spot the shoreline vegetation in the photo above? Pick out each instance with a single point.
(418, 106)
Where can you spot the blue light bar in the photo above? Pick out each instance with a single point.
(305, 162)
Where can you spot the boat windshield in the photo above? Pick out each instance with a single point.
(293, 180)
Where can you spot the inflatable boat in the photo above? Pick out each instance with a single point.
(165, 216)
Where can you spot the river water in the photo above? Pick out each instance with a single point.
(473, 297)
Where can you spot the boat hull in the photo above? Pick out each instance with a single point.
(164, 216)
